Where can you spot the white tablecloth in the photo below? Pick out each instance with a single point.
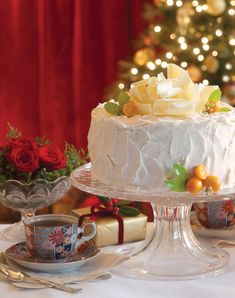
(220, 286)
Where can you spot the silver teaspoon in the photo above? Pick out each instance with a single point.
(90, 278)
(18, 276)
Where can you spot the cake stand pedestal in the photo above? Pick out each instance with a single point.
(173, 253)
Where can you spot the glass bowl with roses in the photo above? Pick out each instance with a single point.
(34, 174)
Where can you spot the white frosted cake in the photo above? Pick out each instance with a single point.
(169, 121)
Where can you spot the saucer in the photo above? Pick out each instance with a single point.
(19, 254)
(222, 234)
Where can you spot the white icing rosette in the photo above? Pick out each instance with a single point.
(175, 96)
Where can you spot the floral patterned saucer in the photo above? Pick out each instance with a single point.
(19, 254)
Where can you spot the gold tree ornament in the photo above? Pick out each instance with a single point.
(216, 7)
(212, 64)
(144, 55)
(194, 73)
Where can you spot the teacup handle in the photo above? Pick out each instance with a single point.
(92, 233)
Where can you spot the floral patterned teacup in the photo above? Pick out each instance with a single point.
(55, 236)
(216, 215)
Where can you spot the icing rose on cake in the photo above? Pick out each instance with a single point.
(175, 95)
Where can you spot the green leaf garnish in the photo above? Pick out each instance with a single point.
(215, 96)
(123, 98)
(224, 109)
(180, 171)
(129, 211)
(178, 183)
(113, 108)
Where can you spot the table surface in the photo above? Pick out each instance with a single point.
(219, 286)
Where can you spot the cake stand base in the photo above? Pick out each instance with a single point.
(174, 253)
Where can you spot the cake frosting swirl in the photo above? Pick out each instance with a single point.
(141, 150)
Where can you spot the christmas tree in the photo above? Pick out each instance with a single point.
(197, 35)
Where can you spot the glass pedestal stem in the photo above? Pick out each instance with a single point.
(174, 253)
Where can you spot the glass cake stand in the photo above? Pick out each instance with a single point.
(173, 253)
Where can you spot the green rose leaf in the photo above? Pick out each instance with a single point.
(113, 108)
(178, 183)
(123, 98)
(224, 109)
(129, 211)
(215, 96)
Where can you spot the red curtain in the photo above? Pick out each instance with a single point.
(56, 58)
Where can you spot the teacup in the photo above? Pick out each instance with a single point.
(216, 215)
(55, 236)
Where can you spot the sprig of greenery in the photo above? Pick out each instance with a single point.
(13, 132)
(74, 157)
(42, 140)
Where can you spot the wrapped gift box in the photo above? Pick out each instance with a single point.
(107, 227)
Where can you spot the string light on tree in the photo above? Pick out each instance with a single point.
(225, 78)
(146, 76)
(196, 51)
(134, 70)
(219, 32)
(195, 3)
(181, 40)
(121, 86)
(200, 58)
(205, 82)
(184, 64)
(214, 53)
(183, 46)
(170, 2)
(179, 3)
(164, 64)
(205, 40)
(206, 47)
(199, 8)
(151, 65)
(228, 66)
(232, 41)
(157, 29)
(169, 55)
(158, 61)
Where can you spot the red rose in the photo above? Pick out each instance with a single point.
(51, 157)
(22, 142)
(24, 159)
